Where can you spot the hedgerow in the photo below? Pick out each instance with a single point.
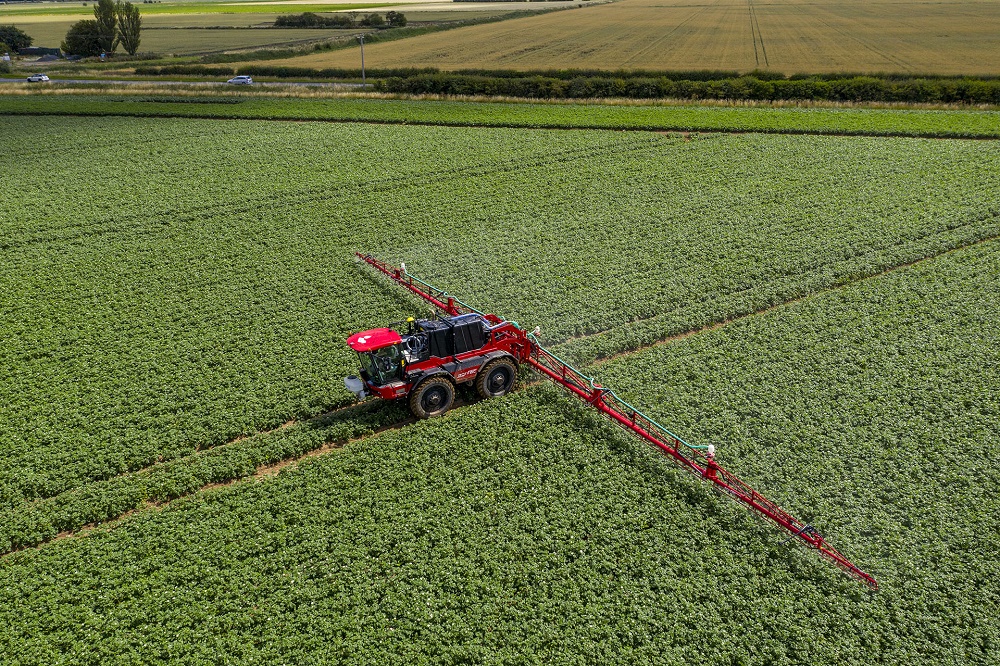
(586, 84)
(854, 89)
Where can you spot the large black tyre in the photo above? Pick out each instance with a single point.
(496, 378)
(434, 397)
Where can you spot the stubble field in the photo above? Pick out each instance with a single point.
(786, 36)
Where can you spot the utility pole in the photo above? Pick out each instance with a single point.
(362, 38)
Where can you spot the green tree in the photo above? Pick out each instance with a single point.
(15, 38)
(129, 26)
(373, 21)
(83, 39)
(395, 19)
(104, 15)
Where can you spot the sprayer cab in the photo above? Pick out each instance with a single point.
(381, 357)
(427, 361)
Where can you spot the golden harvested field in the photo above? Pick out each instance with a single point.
(788, 36)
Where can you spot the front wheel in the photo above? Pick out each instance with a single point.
(496, 378)
(432, 398)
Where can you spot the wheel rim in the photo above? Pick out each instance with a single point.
(498, 380)
(433, 398)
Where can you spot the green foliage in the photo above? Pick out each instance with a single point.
(664, 233)
(84, 38)
(339, 20)
(854, 89)
(13, 39)
(129, 24)
(395, 19)
(107, 499)
(313, 20)
(107, 32)
(526, 529)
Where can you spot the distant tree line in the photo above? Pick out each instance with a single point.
(340, 20)
(115, 24)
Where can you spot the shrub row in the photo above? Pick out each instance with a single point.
(854, 89)
(758, 86)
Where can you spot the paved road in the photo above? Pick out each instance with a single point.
(317, 84)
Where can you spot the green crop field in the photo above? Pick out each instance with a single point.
(176, 293)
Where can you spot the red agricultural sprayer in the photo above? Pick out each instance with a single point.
(424, 364)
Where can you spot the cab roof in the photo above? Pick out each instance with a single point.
(367, 341)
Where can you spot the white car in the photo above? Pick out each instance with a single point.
(242, 79)
(38, 78)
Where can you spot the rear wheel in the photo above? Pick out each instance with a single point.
(496, 378)
(432, 398)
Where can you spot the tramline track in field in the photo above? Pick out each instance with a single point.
(201, 451)
(319, 420)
